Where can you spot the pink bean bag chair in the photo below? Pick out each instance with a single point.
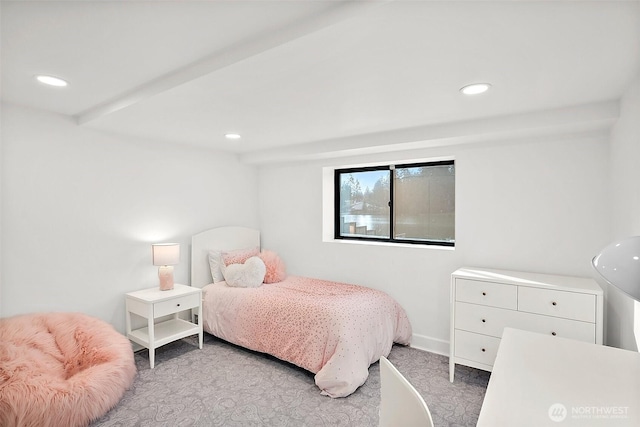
(61, 369)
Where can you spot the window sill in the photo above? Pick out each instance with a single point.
(394, 245)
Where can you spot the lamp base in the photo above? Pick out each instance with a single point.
(165, 273)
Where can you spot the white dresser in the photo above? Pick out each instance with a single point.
(485, 301)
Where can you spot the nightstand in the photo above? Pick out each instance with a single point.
(153, 303)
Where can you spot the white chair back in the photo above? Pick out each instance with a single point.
(400, 403)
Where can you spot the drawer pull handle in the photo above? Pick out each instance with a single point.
(554, 303)
(484, 294)
(178, 304)
(553, 333)
(484, 350)
(484, 320)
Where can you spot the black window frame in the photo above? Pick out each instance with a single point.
(337, 222)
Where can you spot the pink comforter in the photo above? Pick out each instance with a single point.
(331, 329)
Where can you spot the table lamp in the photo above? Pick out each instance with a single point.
(619, 265)
(166, 255)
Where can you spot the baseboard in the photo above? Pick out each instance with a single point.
(433, 345)
(420, 342)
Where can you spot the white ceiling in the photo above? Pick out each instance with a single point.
(312, 78)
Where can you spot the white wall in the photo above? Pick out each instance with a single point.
(625, 161)
(538, 206)
(1, 203)
(623, 314)
(81, 209)
(1, 173)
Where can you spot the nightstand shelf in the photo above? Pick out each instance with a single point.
(165, 332)
(152, 304)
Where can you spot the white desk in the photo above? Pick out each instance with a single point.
(540, 380)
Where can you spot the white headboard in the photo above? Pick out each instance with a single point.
(225, 238)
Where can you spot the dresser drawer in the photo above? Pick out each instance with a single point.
(556, 326)
(568, 305)
(175, 305)
(487, 293)
(476, 347)
(482, 319)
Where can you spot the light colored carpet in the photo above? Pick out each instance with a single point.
(225, 385)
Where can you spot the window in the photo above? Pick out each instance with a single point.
(409, 203)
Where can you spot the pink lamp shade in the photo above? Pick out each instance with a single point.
(166, 255)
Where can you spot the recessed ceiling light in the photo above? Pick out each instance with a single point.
(232, 136)
(51, 81)
(475, 89)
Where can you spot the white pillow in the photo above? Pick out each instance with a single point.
(215, 263)
(247, 275)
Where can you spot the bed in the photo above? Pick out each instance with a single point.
(333, 330)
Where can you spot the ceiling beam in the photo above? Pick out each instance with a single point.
(581, 120)
(338, 12)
